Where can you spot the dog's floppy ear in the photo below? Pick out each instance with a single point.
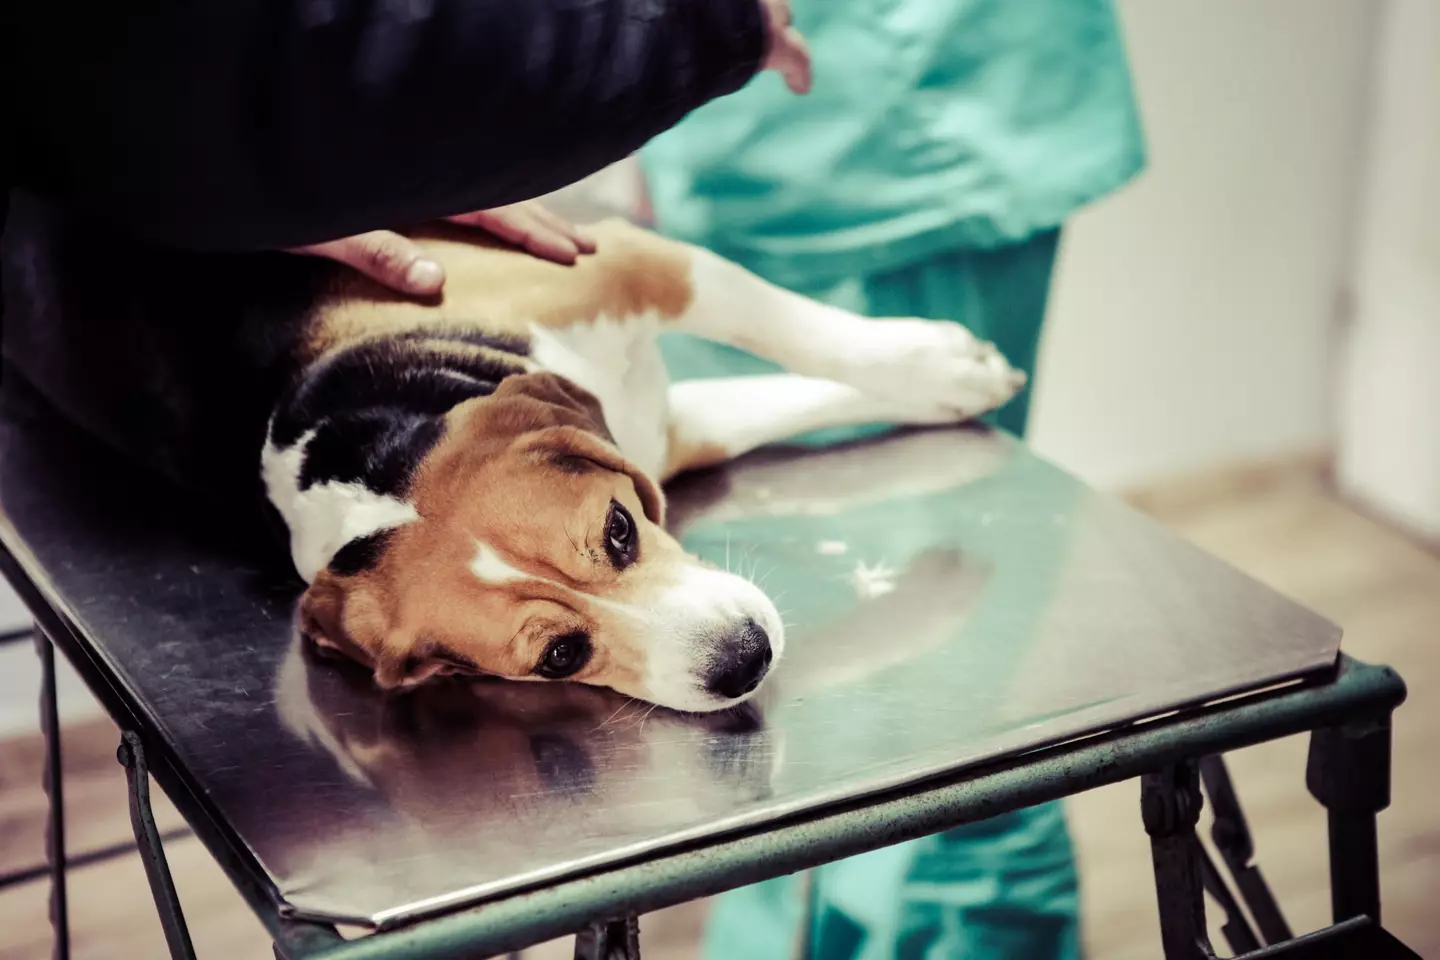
(550, 416)
(547, 400)
(322, 619)
(340, 616)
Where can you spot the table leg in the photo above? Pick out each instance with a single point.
(53, 777)
(1170, 806)
(162, 887)
(609, 940)
(1235, 928)
(1348, 771)
(1232, 838)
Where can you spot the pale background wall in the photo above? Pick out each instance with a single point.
(1194, 315)
(1389, 389)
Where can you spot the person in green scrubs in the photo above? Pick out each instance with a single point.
(928, 173)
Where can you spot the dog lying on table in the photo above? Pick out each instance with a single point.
(471, 485)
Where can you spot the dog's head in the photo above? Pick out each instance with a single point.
(538, 553)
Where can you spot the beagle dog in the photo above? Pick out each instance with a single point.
(472, 485)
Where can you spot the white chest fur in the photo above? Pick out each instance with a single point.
(619, 362)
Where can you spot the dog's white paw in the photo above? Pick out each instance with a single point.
(933, 371)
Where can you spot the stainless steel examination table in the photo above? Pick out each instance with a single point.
(971, 631)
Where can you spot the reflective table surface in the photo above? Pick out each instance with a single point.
(951, 599)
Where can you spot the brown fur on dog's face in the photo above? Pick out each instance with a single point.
(509, 558)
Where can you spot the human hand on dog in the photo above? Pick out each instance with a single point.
(786, 53)
(397, 262)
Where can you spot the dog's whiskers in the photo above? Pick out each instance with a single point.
(606, 722)
(640, 724)
(754, 569)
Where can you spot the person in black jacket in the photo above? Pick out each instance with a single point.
(282, 124)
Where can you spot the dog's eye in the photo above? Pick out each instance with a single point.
(565, 656)
(621, 543)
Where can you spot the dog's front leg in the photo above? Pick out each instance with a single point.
(715, 420)
(922, 366)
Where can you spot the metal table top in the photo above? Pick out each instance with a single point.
(951, 599)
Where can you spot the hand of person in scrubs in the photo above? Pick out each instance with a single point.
(397, 262)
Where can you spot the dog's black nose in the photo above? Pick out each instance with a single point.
(743, 662)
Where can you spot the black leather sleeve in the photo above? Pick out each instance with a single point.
(246, 124)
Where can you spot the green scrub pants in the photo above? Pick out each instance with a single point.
(1002, 889)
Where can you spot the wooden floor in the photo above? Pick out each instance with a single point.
(1280, 526)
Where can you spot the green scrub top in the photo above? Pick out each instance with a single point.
(944, 143)
(933, 125)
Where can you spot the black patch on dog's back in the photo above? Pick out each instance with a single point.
(396, 373)
(376, 447)
(377, 409)
(475, 338)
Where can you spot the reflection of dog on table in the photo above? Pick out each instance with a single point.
(537, 777)
(454, 755)
(482, 781)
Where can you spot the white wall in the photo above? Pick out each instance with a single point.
(1193, 315)
(1389, 451)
